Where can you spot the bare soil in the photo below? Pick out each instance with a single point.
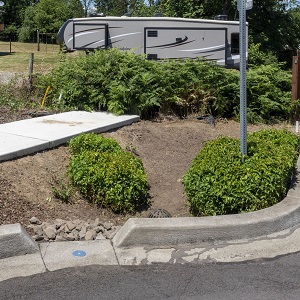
(166, 146)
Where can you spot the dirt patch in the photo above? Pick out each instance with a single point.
(166, 147)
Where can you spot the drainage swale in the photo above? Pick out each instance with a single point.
(79, 253)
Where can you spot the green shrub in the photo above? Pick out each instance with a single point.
(92, 142)
(219, 183)
(122, 82)
(256, 57)
(108, 176)
(269, 93)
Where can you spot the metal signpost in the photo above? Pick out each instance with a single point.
(243, 5)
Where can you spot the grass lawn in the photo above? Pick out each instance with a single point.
(14, 57)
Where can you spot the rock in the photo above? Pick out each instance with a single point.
(70, 225)
(47, 224)
(83, 230)
(80, 226)
(100, 236)
(35, 220)
(61, 230)
(37, 229)
(159, 213)
(38, 237)
(72, 236)
(59, 222)
(50, 232)
(90, 235)
(59, 238)
(100, 229)
(81, 235)
(108, 225)
(109, 234)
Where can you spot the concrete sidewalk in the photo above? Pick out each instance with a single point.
(31, 135)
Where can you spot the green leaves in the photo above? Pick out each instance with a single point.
(48, 16)
(107, 175)
(219, 183)
(122, 82)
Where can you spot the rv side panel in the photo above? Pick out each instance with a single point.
(157, 37)
(176, 42)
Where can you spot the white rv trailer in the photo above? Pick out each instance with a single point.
(156, 37)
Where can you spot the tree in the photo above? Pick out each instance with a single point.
(13, 13)
(275, 25)
(112, 7)
(48, 16)
(87, 6)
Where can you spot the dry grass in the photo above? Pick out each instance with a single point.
(14, 57)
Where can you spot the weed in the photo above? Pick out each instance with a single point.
(61, 190)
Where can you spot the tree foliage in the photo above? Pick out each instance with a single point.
(112, 7)
(275, 26)
(48, 16)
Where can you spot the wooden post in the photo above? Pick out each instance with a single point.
(296, 85)
(30, 70)
(38, 40)
(296, 77)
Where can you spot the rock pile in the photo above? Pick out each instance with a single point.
(77, 230)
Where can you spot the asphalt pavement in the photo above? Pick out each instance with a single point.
(271, 279)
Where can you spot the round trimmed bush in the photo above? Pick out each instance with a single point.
(219, 183)
(112, 179)
(92, 142)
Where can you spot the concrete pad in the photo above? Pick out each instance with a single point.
(15, 241)
(36, 134)
(21, 266)
(144, 255)
(59, 255)
(13, 146)
(266, 247)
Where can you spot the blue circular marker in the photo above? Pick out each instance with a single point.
(79, 253)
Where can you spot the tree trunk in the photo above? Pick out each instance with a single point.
(226, 7)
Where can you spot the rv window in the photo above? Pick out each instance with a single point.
(152, 56)
(235, 43)
(152, 33)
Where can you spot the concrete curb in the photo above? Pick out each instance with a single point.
(15, 241)
(178, 231)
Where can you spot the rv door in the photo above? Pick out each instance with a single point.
(89, 36)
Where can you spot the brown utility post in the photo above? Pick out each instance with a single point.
(30, 70)
(296, 81)
(296, 77)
